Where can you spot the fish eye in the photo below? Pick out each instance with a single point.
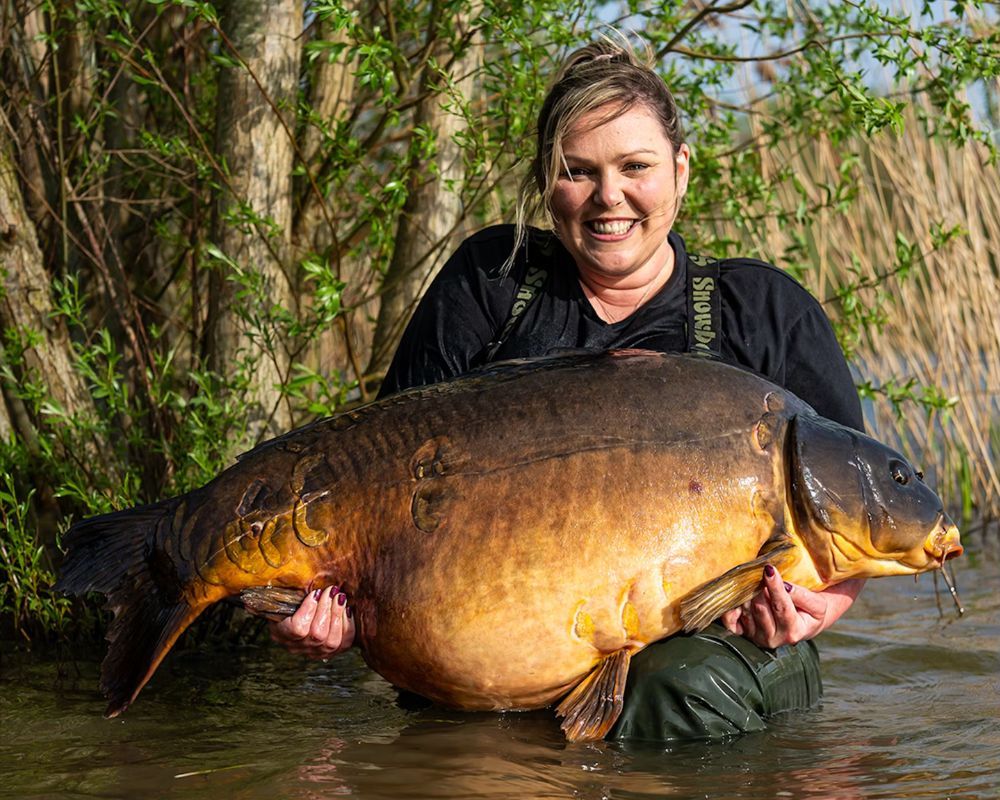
(899, 472)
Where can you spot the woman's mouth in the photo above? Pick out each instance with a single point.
(611, 227)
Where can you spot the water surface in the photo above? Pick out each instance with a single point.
(911, 710)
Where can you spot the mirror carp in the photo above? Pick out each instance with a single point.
(510, 538)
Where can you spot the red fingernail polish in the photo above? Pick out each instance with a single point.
(341, 599)
(788, 586)
(350, 612)
(317, 593)
(769, 570)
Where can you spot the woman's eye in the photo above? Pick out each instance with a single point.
(635, 167)
(574, 172)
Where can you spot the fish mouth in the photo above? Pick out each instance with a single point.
(944, 542)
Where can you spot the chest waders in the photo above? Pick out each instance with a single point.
(713, 684)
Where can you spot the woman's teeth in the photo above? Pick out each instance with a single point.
(611, 227)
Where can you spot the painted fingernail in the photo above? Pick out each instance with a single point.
(350, 612)
(788, 586)
(334, 590)
(341, 599)
(769, 571)
(317, 593)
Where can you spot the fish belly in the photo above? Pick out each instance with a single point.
(537, 571)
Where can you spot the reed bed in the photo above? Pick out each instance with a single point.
(934, 328)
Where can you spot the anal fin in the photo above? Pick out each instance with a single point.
(589, 710)
(735, 587)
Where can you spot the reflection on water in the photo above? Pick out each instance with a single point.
(912, 710)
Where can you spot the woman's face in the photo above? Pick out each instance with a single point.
(618, 194)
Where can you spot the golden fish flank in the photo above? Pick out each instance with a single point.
(510, 538)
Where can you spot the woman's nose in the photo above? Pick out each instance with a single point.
(608, 191)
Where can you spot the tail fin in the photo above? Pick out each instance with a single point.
(114, 554)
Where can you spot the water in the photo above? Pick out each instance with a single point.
(911, 710)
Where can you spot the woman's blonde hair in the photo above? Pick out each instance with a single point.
(607, 73)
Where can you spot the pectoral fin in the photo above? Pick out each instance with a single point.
(274, 603)
(734, 588)
(591, 709)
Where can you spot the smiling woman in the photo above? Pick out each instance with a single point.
(614, 204)
(610, 171)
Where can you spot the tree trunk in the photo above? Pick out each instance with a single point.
(433, 208)
(26, 303)
(331, 95)
(332, 86)
(26, 91)
(45, 357)
(253, 212)
(332, 89)
(6, 428)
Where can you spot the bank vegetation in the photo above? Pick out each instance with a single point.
(216, 217)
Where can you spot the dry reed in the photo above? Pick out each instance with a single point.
(941, 323)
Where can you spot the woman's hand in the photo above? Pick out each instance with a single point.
(321, 627)
(783, 614)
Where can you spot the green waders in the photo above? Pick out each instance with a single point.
(714, 684)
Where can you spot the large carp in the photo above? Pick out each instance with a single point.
(513, 536)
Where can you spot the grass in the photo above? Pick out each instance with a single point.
(26, 596)
(915, 254)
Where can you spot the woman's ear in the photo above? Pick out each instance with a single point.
(682, 162)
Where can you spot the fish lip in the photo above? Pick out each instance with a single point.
(944, 542)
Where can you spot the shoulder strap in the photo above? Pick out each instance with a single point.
(704, 305)
(527, 291)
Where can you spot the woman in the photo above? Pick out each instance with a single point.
(611, 170)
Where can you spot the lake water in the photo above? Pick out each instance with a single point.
(911, 710)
